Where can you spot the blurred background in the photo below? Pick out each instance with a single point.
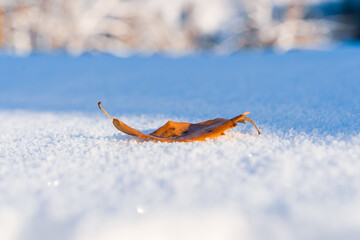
(123, 27)
(67, 173)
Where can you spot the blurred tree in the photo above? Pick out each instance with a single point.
(351, 8)
(1, 26)
(120, 26)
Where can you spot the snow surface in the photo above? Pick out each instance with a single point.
(67, 173)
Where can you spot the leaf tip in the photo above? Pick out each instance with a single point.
(99, 104)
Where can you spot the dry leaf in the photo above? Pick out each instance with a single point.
(185, 132)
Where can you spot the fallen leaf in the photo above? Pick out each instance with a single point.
(185, 132)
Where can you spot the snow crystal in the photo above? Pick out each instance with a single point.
(295, 184)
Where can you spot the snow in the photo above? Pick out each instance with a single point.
(67, 173)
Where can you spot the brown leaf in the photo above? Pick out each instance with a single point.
(185, 132)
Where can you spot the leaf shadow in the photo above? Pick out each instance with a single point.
(128, 138)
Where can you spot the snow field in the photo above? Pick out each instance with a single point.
(67, 173)
(71, 175)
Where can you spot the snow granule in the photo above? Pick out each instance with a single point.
(72, 176)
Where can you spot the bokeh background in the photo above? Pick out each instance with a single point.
(67, 174)
(124, 27)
